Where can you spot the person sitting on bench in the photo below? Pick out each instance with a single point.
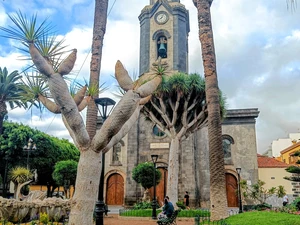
(168, 210)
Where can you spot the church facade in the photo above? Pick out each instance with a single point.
(164, 28)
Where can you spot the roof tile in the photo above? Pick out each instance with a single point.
(267, 162)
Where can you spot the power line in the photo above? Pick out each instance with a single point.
(112, 6)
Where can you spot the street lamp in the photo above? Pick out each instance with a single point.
(238, 170)
(28, 148)
(154, 160)
(100, 205)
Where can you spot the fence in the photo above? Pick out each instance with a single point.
(204, 219)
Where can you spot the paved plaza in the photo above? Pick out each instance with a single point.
(114, 219)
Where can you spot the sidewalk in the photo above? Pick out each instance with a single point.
(114, 219)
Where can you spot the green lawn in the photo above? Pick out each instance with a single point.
(264, 218)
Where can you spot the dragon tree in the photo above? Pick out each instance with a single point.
(178, 108)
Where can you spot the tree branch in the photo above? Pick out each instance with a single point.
(64, 100)
(157, 122)
(174, 119)
(124, 130)
(163, 115)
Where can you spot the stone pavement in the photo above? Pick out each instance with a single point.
(114, 219)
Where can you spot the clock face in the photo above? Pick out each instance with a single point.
(161, 17)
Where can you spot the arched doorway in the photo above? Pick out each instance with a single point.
(231, 190)
(161, 188)
(115, 190)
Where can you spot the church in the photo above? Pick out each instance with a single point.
(164, 31)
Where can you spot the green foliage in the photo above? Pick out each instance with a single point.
(295, 204)
(258, 192)
(262, 206)
(280, 191)
(49, 151)
(148, 213)
(143, 205)
(180, 204)
(11, 91)
(20, 175)
(44, 218)
(143, 174)
(25, 31)
(34, 85)
(263, 218)
(65, 171)
(295, 170)
(179, 100)
(138, 213)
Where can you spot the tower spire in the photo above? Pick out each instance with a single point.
(152, 2)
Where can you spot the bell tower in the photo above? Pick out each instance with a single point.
(164, 29)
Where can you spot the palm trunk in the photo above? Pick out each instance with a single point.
(3, 112)
(218, 196)
(87, 185)
(173, 170)
(100, 18)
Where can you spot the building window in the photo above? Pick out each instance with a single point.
(157, 132)
(162, 47)
(227, 141)
(116, 155)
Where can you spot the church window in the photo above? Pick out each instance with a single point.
(227, 141)
(116, 154)
(158, 132)
(162, 47)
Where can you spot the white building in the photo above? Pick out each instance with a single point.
(283, 143)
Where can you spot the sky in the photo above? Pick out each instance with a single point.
(257, 47)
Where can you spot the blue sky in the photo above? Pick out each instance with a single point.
(257, 46)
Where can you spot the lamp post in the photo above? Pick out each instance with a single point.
(238, 170)
(154, 160)
(100, 205)
(28, 148)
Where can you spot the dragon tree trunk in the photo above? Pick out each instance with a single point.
(173, 170)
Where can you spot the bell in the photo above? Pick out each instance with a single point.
(162, 49)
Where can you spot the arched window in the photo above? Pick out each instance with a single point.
(161, 38)
(116, 154)
(162, 47)
(157, 132)
(227, 141)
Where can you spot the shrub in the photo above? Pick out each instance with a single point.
(142, 205)
(180, 205)
(296, 203)
(44, 218)
(262, 206)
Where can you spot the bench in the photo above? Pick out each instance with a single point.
(170, 220)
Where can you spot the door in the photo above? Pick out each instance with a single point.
(161, 188)
(231, 190)
(115, 190)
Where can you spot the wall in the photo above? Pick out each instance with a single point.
(273, 177)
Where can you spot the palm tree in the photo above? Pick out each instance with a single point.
(218, 198)
(115, 127)
(10, 92)
(100, 18)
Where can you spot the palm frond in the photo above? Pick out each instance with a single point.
(34, 84)
(11, 88)
(24, 30)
